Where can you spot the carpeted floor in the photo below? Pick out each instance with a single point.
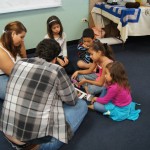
(98, 132)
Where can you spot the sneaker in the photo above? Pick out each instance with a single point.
(106, 113)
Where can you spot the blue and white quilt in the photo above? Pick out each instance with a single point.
(125, 14)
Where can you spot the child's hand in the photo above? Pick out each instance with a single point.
(66, 60)
(61, 62)
(75, 74)
(75, 82)
(85, 46)
(93, 100)
(82, 82)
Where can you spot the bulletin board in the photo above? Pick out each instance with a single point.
(7, 6)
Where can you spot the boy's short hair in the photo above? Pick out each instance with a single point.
(88, 33)
(48, 49)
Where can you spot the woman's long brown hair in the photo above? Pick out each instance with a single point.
(118, 74)
(6, 38)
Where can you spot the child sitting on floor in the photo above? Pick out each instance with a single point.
(55, 31)
(86, 41)
(93, 82)
(117, 103)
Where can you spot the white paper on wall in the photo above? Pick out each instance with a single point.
(7, 6)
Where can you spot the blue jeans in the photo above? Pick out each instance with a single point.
(3, 84)
(74, 116)
(92, 89)
(98, 106)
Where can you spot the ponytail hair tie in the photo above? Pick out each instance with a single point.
(105, 45)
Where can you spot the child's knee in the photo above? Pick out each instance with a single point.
(80, 64)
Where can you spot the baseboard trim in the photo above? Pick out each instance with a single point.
(69, 43)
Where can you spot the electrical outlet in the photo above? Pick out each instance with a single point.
(84, 20)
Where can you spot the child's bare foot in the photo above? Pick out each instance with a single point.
(91, 107)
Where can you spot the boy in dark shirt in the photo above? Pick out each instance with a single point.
(86, 41)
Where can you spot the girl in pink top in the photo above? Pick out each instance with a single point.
(117, 102)
(92, 82)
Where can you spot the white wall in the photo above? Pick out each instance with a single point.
(71, 14)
